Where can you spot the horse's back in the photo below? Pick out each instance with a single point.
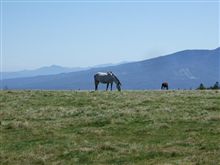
(165, 83)
(101, 74)
(103, 77)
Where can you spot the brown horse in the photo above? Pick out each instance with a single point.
(164, 86)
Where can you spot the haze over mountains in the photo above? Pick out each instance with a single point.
(184, 70)
(49, 70)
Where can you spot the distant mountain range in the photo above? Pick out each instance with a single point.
(184, 70)
(49, 70)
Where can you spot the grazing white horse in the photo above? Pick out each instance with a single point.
(106, 78)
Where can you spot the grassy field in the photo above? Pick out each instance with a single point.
(129, 127)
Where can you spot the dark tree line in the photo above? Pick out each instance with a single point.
(215, 86)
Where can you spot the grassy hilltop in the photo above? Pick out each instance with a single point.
(129, 127)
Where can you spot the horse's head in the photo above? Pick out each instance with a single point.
(116, 80)
(118, 86)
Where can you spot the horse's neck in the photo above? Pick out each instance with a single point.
(115, 79)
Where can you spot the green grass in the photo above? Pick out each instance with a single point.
(129, 127)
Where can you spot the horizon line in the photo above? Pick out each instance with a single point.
(108, 64)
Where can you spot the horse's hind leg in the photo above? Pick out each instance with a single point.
(96, 85)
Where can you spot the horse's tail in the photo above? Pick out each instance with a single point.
(96, 82)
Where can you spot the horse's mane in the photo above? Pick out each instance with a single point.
(115, 78)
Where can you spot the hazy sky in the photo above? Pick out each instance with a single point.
(72, 34)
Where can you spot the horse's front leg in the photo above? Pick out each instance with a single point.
(107, 86)
(111, 86)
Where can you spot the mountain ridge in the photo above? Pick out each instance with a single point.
(50, 70)
(184, 69)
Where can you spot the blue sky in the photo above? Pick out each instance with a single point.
(74, 34)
